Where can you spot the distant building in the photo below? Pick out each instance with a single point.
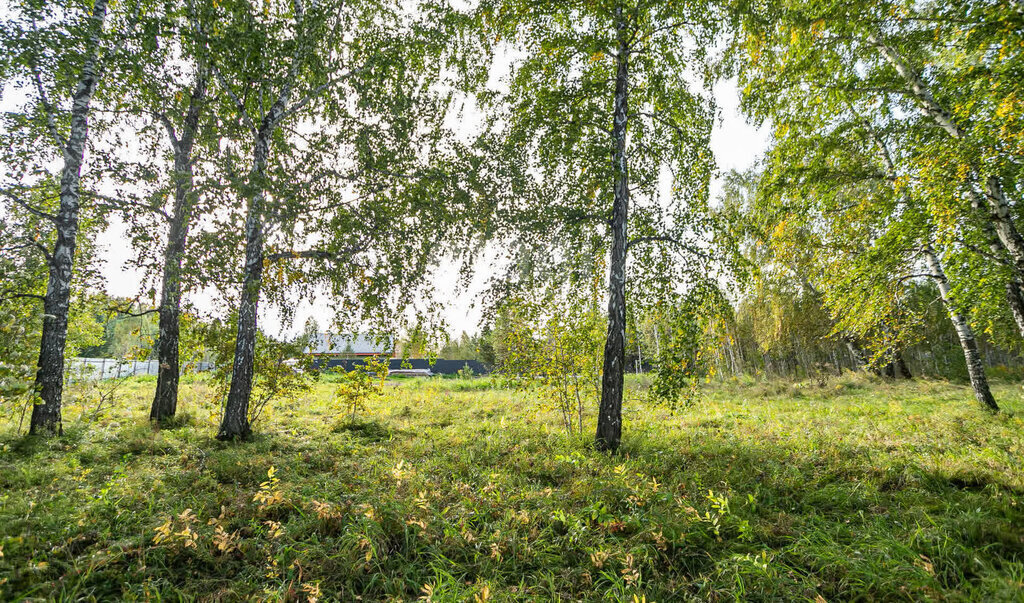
(339, 346)
(413, 366)
(346, 352)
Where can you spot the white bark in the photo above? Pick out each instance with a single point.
(999, 207)
(918, 87)
(609, 419)
(46, 413)
(975, 366)
(235, 423)
(165, 398)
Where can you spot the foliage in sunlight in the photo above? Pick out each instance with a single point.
(362, 384)
(552, 356)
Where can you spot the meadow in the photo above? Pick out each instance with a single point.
(849, 488)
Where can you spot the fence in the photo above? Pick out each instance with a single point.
(112, 368)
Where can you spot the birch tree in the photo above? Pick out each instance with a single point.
(335, 106)
(57, 54)
(943, 77)
(168, 107)
(615, 138)
(782, 293)
(873, 232)
(24, 237)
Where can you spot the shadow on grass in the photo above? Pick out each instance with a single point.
(369, 430)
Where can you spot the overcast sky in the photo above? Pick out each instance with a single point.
(736, 144)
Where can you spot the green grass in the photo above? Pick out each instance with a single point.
(452, 490)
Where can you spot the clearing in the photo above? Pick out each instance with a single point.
(452, 490)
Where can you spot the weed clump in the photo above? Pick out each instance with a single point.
(370, 430)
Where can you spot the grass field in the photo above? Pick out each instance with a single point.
(453, 490)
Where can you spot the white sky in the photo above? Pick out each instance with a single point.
(736, 144)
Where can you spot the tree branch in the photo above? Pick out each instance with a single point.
(10, 248)
(51, 121)
(128, 202)
(234, 97)
(641, 39)
(315, 254)
(46, 252)
(171, 133)
(673, 241)
(29, 208)
(917, 87)
(134, 314)
(676, 128)
(128, 311)
(25, 296)
(917, 275)
(295, 108)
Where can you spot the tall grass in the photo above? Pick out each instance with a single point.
(452, 490)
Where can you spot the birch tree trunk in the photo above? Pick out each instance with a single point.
(897, 367)
(165, 400)
(901, 366)
(856, 352)
(975, 368)
(1014, 288)
(49, 385)
(609, 417)
(1006, 231)
(1015, 299)
(235, 424)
